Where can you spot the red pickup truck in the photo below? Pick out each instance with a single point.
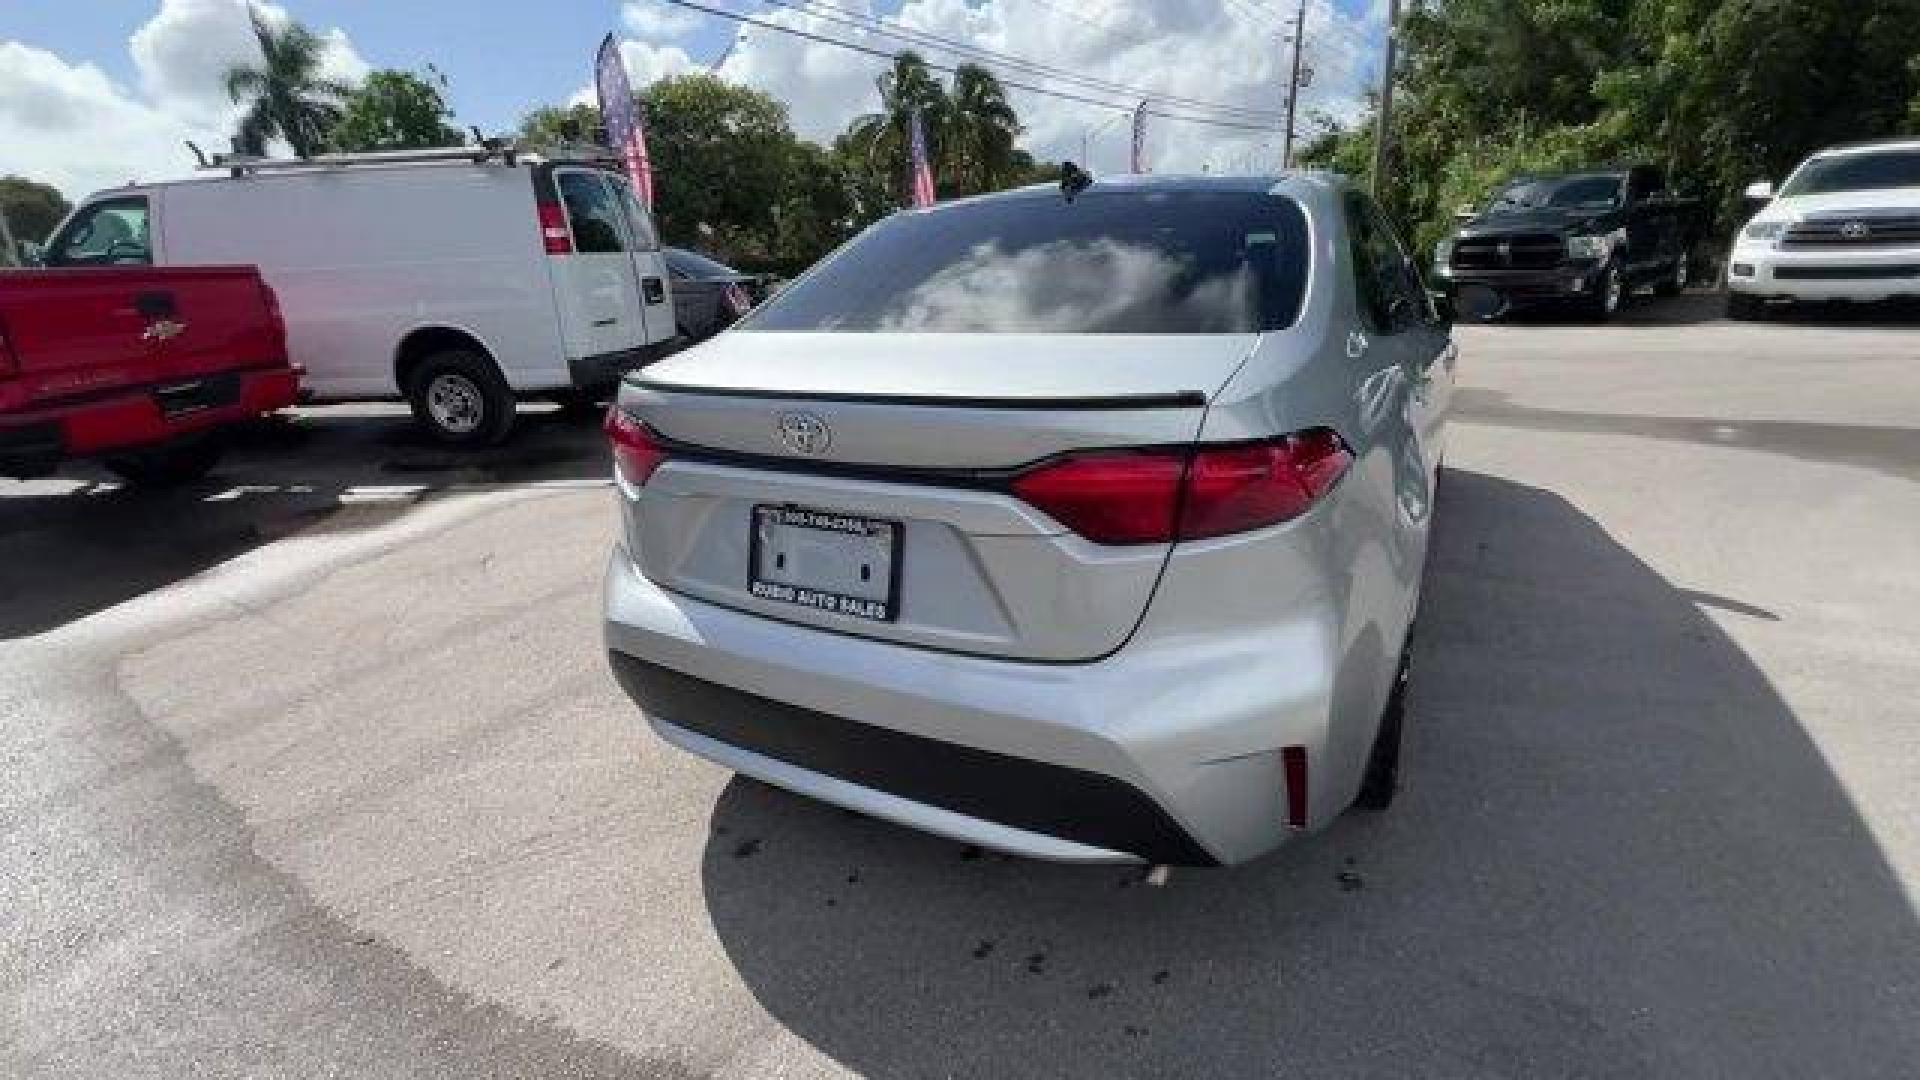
(136, 365)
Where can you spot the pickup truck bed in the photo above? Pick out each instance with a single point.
(135, 364)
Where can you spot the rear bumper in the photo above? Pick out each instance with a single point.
(35, 440)
(602, 372)
(1862, 276)
(1168, 750)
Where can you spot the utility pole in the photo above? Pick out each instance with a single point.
(1293, 85)
(1383, 124)
(9, 251)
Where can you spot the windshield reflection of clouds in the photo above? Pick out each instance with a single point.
(1074, 286)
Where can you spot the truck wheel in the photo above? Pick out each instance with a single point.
(1744, 308)
(1382, 778)
(460, 399)
(1608, 294)
(1675, 282)
(167, 466)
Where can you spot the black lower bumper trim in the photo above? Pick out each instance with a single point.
(1071, 804)
(31, 450)
(603, 371)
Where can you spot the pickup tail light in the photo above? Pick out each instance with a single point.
(637, 450)
(1188, 493)
(554, 234)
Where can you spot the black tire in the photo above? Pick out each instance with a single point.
(1744, 308)
(1674, 282)
(1382, 778)
(459, 397)
(1609, 294)
(167, 466)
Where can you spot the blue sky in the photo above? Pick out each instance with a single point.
(81, 59)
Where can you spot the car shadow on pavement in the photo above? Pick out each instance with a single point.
(1617, 854)
(70, 549)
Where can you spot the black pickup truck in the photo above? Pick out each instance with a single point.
(1581, 239)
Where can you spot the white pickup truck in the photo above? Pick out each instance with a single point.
(1845, 226)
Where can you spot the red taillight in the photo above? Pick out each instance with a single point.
(637, 451)
(553, 229)
(1293, 760)
(1157, 496)
(1238, 488)
(1118, 497)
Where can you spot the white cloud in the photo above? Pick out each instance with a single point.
(70, 125)
(1225, 52)
(651, 20)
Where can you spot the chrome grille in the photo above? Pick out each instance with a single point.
(1855, 231)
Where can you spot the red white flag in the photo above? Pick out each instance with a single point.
(625, 128)
(922, 179)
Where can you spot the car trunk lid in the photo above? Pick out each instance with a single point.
(777, 440)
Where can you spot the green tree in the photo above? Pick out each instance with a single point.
(395, 110)
(877, 142)
(981, 129)
(32, 209)
(553, 126)
(721, 157)
(285, 96)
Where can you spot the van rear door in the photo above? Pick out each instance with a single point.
(598, 283)
(656, 292)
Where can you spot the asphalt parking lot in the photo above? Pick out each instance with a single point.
(316, 770)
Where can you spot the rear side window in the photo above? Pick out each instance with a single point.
(1119, 262)
(591, 211)
(112, 232)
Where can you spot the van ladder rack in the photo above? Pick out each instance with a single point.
(241, 164)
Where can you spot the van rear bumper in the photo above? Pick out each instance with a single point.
(35, 439)
(602, 372)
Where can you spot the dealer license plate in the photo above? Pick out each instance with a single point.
(826, 560)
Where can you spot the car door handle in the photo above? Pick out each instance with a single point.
(653, 289)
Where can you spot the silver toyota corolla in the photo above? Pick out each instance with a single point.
(1081, 524)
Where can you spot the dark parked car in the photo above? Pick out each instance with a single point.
(1583, 240)
(707, 295)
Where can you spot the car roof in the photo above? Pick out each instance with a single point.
(1149, 183)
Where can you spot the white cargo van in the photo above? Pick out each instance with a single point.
(459, 280)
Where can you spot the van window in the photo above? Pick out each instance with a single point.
(111, 232)
(591, 211)
(642, 233)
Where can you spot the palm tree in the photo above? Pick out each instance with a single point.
(908, 85)
(980, 131)
(289, 98)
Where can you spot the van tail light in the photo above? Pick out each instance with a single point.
(553, 229)
(637, 450)
(1159, 496)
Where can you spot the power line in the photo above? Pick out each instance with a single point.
(1029, 87)
(860, 21)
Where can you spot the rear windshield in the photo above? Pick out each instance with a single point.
(1856, 172)
(1173, 262)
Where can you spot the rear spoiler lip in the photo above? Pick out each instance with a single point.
(1183, 399)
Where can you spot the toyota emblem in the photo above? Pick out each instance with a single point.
(1855, 230)
(803, 433)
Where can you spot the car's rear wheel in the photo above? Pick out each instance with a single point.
(460, 398)
(1382, 778)
(167, 466)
